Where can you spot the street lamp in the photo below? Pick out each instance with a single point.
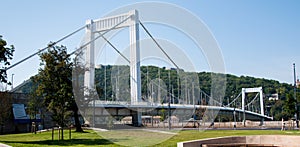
(234, 119)
(295, 96)
(12, 81)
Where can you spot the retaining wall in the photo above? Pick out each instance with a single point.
(257, 140)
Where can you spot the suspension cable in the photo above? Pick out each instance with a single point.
(158, 45)
(234, 99)
(129, 61)
(154, 40)
(114, 47)
(252, 100)
(63, 38)
(50, 45)
(101, 35)
(205, 94)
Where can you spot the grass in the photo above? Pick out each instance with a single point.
(89, 138)
(125, 137)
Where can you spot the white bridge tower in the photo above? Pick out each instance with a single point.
(130, 20)
(261, 100)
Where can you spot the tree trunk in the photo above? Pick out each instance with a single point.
(62, 133)
(77, 122)
(2, 128)
(62, 125)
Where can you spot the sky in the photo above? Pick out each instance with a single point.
(256, 38)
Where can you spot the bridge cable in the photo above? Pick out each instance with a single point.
(63, 38)
(173, 62)
(158, 44)
(234, 99)
(100, 35)
(114, 47)
(50, 45)
(205, 94)
(252, 100)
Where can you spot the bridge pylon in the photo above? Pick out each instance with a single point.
(252, 90)
(131, 20)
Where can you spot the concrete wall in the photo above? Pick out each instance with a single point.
(274, 140)
(289, 125)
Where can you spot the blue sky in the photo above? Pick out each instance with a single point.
(257, 38)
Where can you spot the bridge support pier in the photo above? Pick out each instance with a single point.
(262, 122)
(136, 118)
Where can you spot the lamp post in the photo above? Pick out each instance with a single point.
(234, 119)
(295, 96)
(12, 81)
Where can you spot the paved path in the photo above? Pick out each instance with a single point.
(4, 145)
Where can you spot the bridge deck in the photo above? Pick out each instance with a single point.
(150, 106)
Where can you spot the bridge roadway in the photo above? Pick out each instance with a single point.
(120, 108)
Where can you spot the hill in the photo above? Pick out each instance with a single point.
(117, 85)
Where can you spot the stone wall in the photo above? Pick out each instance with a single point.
(256, 140)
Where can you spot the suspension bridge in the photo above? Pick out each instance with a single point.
(189, 101)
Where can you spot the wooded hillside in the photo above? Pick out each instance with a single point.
(117, 85)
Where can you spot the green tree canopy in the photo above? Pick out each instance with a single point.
(289, 106)
(105, 82)
(55, 84)
(6, 54)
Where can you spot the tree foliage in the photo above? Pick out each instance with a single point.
(6, 108)
(83, 96)
(106, 79)
(234, 85)
(6, 54)
(55, 84)
(35, 104)
(289, 106)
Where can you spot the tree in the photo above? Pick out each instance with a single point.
(276, 110)
(5, 109)
(105, 81)
(35, 103)
(55, 84)
(6, 54)
(289, 106)
(80, 99)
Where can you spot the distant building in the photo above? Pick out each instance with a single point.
(18, 120)
(273, 97)
(99, 66)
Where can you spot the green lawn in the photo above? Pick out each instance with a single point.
(126, 137)
(89, 138)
